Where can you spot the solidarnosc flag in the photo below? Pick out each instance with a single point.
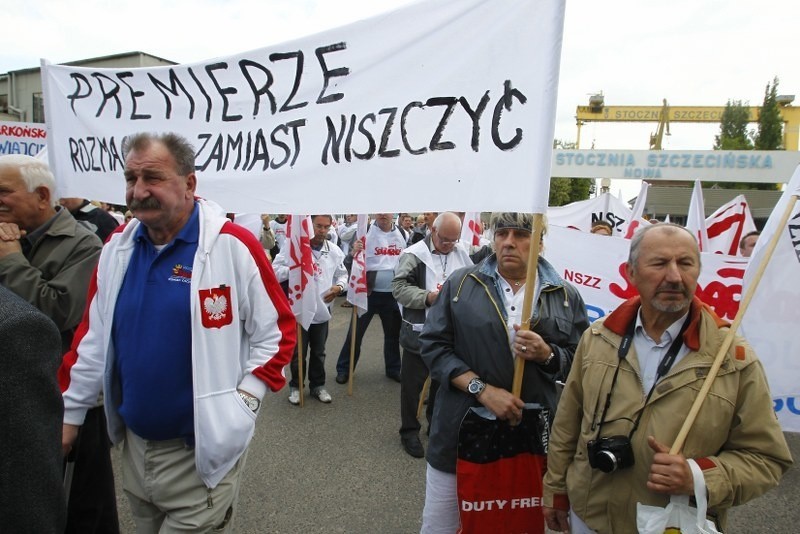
(770, 322)
(302, 291)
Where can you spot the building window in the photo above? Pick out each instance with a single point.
(38, 107)
(3, 103)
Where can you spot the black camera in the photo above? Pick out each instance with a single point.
(610, 454)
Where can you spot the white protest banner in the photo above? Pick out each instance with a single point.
(770, 322)
(22, 138)
(453, 99)
(595, 265)
(584, 213)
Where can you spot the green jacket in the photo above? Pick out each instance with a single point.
(54, 275)
(736, 439)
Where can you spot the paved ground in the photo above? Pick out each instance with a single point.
(340, 468)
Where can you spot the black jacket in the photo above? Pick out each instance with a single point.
(465, 330)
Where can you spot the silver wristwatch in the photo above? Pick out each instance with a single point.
(476, 386)
(548, 360)
(250, 401)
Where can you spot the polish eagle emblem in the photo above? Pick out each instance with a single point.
(216, 306)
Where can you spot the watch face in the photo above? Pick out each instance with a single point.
(475, 386)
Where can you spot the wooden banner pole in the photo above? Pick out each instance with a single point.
(726, 343)
(300, 361)
(353, 326)
(527, 299)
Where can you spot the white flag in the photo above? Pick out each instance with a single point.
(635, 220)
(302, 291)
(728, 225)
(696, 219)
(471, 229)
(357, 291)
(771, 320)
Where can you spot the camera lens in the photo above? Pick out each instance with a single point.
(606, 461)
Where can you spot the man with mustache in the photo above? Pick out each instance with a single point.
(635, 376)
(185, 331)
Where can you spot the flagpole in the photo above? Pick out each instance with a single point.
(425, 387)
(527, 299)
(726, 343)
(300, 360)
(353, 326)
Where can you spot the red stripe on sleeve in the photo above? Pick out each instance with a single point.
(271, 372)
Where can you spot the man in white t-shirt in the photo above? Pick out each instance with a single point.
(385, 242)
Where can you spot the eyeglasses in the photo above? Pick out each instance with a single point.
(446, 241)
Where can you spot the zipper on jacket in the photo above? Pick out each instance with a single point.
(209, 499)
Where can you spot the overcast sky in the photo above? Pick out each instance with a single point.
(691, 52)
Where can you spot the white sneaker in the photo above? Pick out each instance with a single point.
(322, 395)
(294, 396)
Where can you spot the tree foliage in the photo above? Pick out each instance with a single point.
(770, 124)
(734, 135)
(566, 190)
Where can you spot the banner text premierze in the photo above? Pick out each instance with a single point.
(121, 95)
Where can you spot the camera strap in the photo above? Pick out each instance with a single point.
(663, 368)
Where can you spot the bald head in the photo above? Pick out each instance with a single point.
(446, 231)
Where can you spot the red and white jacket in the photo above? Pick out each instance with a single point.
(243, 341)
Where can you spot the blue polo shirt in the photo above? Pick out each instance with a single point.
(152, 336)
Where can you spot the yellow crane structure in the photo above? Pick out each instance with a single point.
(597, 111)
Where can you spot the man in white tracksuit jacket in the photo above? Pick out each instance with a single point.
(186, 329)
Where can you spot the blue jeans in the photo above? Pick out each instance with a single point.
(383, 305)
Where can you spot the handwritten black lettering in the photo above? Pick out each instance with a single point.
(223, 91)
(134, 95)
(108, 93)
(82, 90)
(404, 129)
(368, 135)
(509, 93)
(205, 94)
(387, 131)
(174, 84)
(298, 74)
(327, 73)
(476, 117)
(436, 141)
(245, 66)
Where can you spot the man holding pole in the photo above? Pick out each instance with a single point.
(331, 279)
(635, 377)
(470, 339)
(384, 243)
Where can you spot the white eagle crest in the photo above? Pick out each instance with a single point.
(216, 307)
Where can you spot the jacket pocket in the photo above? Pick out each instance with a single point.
(225, 426)
(409, 339)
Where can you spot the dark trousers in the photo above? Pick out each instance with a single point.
(92, 504)
(412, 379)
(313, 361)
(384, 306)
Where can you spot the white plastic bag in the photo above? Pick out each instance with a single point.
(678, 516)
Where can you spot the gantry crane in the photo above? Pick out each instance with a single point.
(597, 111)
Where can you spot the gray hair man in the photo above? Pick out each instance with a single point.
(423, 268)
(609, 448)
